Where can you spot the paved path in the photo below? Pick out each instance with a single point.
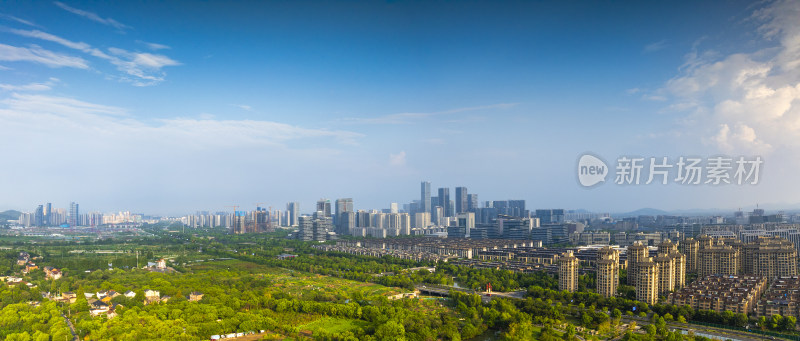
(71, 327)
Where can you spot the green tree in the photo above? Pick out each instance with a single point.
(651, 330)
(520, 331)
(390, 331)
(776, 321)
(789, 323)
(586, 320)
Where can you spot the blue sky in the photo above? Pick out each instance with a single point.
(173, 107)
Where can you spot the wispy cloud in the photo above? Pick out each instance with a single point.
(43, 86)
(21, 21)
(407, 118)
(4, 68)
(26, 104)
(32, 109)
(244, 107)
(93, 16)
(633, 91)
(653, 47)
(145, 68)
(651, 97)
(39, 55)
(154, 46)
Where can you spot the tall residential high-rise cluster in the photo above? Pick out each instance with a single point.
(653, 276)
(763, 256)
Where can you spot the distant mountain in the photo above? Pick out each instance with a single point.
(642, 211)
(9, 215)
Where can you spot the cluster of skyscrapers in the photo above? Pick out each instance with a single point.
(45, 215)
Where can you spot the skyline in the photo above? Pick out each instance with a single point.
(481, 203)
(125, 106)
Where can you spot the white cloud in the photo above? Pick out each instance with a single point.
(4, 68)
(39, 55)
(64, 149)
(30, 87)
(398, 159)
(746, 102)
(653, 47)
(658, 98)
(244, 107)
(154, 46)
(37, 105)
(93, 16)
(144, 67)
(49, 37)
(21, 21)
(407, 118)
(67, 114)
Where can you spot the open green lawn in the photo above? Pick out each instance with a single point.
(297, 282)
(333, 325)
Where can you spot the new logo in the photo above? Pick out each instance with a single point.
(591, 170)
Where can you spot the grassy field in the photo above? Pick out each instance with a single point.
(333, 325)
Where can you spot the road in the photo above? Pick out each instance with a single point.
(445, 290)
(71, 327)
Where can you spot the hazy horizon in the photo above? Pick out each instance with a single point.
(171, 108)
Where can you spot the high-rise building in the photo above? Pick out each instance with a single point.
(48, 214)
(422, 219)
(293, 213)
(550, 216)
(322, 225)
(342, 224)
(666, 272)
(466, 219)
(344, 205)
(425, 196)
(305, 231)
(647, 281)
(239, 222)
(607, 271)
(680, 269)
(38, 216)
(472, 202)
(690, 248)
(259, 221)
(461, 200)
(346, 223)
(444, 201)
(437, 215)
(517, 208)
(636, 253)
(568, 272)
(73, 214)
(718, 259)
(324, 206)
(771, 257)
(666, 246)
